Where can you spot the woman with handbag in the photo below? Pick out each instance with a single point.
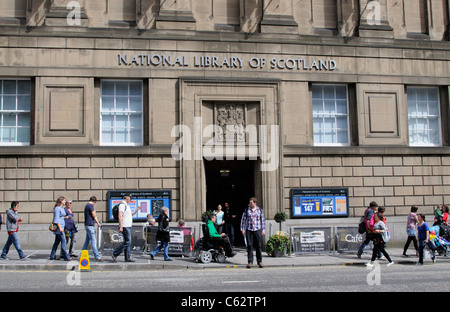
(423, 234)
(163, 234)
(58, 219)
(380, 237)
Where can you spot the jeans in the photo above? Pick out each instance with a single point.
(164, 245)
(59, 238)
(12, 240)
(422, 245)
(90, 238)
(73, 241)
(364, 244)
(229, 230)
(126, 245)
(253, 239)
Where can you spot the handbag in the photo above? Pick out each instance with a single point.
(52, 227)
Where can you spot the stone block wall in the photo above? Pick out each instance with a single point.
(395, 182)
(37, 181)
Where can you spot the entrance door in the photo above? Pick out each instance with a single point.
(231, 181)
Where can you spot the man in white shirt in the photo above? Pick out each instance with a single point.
(125, 224)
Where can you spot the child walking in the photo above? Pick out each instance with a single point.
(379, 229)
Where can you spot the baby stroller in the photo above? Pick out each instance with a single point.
(440, 243)
(444, 231)
(206, 249)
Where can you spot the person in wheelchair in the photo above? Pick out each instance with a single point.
(222, 239)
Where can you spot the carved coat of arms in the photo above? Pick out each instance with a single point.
(230, 119)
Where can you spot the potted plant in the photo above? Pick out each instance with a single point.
(205, 215)
(278, 245)
(280, 217)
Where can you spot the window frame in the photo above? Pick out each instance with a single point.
(439, 117)
(16, 112)
(128, 113)
(347, 115)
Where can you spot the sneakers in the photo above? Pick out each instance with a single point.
(390, 263)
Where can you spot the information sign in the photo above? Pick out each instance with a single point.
(151, 201)
(319, 202)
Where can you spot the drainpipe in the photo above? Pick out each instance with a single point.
(448, 19)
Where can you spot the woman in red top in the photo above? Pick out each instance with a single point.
(445, 216)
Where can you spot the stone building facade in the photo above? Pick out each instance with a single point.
(102, 95)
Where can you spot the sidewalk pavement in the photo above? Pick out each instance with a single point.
(38, 260)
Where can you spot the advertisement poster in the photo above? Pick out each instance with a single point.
(151, 202)
(319, 202)
(311, 240)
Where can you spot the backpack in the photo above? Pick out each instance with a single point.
(115, 212)
(362, 223)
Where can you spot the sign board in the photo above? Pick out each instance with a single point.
(181, 240)
(311, 240)
(110, 238)
(143, 239)
(349, 240)
(151, 201)
(319, 202)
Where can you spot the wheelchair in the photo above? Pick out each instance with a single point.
(207, 249)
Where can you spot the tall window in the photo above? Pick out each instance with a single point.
(15, 101)
(325, 14)
(121, 112)
(120, 10)
(330, 115)
(424, 117)
(226, 12)
(416, 15)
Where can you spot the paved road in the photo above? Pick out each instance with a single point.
(349, 278)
